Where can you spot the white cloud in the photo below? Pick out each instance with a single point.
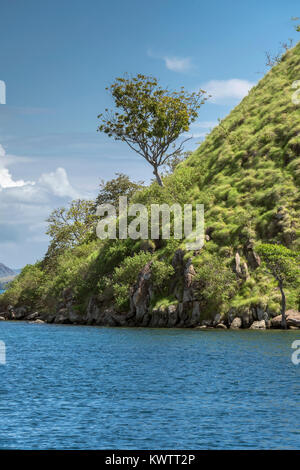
(6, 180)
(58, 183)
(55, 183)
(178, 64)
(227, 90)
(174, 63)
(24, 207)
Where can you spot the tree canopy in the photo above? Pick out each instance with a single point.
(280, 261)
(149, 118)
(111, 190)
(284, 265)
(68, 227)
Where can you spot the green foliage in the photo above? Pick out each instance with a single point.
(173, 162)
(68, 227)
(247, 174)
(216, 283)
(297, 26)
(281, 262)
(161, 272)
(120, 186)
(126, 275)
(25, 288)
(149, 118)
(284, 265)
(162, 302)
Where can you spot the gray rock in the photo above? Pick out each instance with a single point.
(141, 294)
(247, 318)
(221, 326)
(292, 319)
(258, 325)
(172, 316)
(49, 317)
(20, 313)
(32, 316)
(177, 261)
(231, 315)
(146, 320)
(196, 314)
(10, 313)
(189, 274)
(73, 316)
(252, 257)
(237, 266)
(62, 316)
(240, 268)
(93, 312)
(236, 323)
(155, 315)
(260, 313)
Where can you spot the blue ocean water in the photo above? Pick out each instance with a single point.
(73, 387)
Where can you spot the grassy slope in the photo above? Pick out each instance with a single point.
(247, 168)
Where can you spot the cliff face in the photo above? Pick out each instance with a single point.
(247, 174)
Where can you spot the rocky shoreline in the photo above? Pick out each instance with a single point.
(173, 316)
(184, 312)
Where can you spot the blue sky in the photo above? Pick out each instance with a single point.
(56, 59)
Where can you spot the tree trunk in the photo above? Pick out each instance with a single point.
(158, 178)
(283, 306)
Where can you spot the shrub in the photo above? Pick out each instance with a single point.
(216, 283)
(126, 275)
(161, 274)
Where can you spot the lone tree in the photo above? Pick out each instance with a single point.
(149, 118)
(283, 264)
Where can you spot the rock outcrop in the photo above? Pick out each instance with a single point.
(292, 319)
(258, 325)
(184, 312)
(236, 323)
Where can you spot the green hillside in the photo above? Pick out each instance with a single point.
(247, 174)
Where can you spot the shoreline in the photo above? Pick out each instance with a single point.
(209, 329)
(15, 316)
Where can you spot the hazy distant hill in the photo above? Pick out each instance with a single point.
(6, 275)
(5, 271)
